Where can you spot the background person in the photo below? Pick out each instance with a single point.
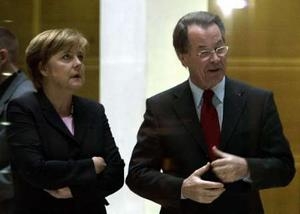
(64, 157)
(13, 83)
(209, 144)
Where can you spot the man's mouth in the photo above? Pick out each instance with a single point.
(214, 70)
(76, 76)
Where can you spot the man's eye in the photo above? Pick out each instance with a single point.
(205, 53)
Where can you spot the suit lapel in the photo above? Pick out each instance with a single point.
(234, 102)
(82, 119)
(185, 109)
(20, 77)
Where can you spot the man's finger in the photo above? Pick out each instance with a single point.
(202, 170)
(219, 153)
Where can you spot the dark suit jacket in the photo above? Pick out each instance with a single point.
(45, 155)
(171, 139)
(18, 86)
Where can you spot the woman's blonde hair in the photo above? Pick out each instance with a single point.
(46, 44)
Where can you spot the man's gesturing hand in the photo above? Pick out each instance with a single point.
(228, 167)
(200, 190)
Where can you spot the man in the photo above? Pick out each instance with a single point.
(208, 145)
(13, 83)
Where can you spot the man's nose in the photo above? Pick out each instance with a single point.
(214, 57)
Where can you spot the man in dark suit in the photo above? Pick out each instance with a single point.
(13, 83)
(193, 160)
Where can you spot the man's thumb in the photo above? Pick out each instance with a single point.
(218, 153)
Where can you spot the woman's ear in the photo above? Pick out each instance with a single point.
(43, 69)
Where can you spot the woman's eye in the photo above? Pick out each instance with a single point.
(66, 56)
(80, 57)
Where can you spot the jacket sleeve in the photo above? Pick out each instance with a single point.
(112, 177)
(144, 175)
(15, 90)
(274, 164)
(4, 157)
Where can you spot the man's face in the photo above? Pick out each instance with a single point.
(206, 67)
(5, 64)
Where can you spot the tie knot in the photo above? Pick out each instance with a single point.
(207, 95)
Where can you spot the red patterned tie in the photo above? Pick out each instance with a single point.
(210, 122)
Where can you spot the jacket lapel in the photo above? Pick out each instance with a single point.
(20, 77)
(185, 109)
(52, 116)
(234, 102)
(82, 119)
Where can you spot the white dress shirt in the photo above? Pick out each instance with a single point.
(217, 100)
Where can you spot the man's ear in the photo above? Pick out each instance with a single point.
(182, 59)
(3, 56)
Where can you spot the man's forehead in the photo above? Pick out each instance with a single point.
(198, 33)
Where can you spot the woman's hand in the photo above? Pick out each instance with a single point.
(62, 193)
(99, 164)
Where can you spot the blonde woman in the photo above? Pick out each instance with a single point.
(64, 157)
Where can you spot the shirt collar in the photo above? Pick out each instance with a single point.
(197, 92)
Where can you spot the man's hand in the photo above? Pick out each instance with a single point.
(228, 167)
(99, 164)
(200, 190)
(62, 193)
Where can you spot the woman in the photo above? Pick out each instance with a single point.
(64, 157)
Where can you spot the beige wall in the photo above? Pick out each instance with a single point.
(163, 68)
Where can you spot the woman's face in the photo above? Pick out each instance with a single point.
(64, 70)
